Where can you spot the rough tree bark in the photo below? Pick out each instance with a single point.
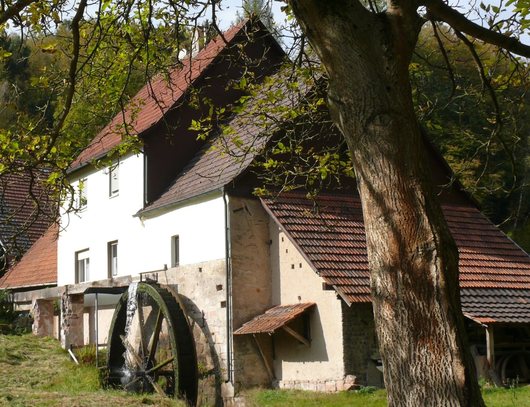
(412, 255)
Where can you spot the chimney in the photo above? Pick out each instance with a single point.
(198, 40)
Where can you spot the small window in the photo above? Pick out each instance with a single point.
(114, 178)
(82, 269)
(175, 250)
(113, 259)
(3, 259)
(83, 194)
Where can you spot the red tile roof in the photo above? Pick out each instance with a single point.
(213, 168)
(274, 319)
(494, 271)
(22, 222)
(38, 267)
(155, 99)
(210, 170)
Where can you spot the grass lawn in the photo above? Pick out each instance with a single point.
(519, 397)
(37, 372)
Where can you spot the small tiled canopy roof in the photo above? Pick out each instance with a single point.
(274, 319)
(155, 99)
(38, 267)
(494, 271)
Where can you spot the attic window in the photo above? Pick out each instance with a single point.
(114, 178)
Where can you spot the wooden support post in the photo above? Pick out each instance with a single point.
(297, 335)
(270, 370)
(490, 348)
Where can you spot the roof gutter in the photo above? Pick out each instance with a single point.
(143, 212)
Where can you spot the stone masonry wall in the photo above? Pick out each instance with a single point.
(42, 312)
(360, 344)
(202, 288)
(72, 309)
(251, 287)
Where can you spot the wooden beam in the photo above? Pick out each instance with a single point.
(297, 335)
(490, 347)
(270, 370)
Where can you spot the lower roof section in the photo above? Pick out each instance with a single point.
(330, 234)
(274, 319)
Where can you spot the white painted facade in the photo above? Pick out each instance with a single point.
(144, 243)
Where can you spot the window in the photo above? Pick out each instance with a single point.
(113, 259)
(83, 194)
(3, 259)
(82, 266)
(175, 251)
(114, 178)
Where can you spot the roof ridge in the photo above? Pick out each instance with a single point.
(156, 98)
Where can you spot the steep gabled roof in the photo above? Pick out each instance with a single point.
(225, 157)
(38, 267)
(212, 169)
(156, 99)
(494, 271)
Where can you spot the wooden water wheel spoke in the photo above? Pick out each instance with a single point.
(132, 382)
(155, 338)
(157, 387)
(157, 330)
(141, 322)
(160, 366)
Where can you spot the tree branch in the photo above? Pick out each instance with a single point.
(16, 8)
(461, 23)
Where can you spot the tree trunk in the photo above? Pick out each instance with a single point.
(412, 255)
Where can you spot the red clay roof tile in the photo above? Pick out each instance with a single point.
(274, 319)
(155, 99)
(38, 267)
(492, 267)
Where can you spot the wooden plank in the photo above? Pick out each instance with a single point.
(270, 370)
(297, 335)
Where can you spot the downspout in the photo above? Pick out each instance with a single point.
(97, 331)
(229, 313)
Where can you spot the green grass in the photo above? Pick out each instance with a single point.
(494, 397)
(299, 398)
(37, 372)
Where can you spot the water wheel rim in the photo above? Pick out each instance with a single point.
(117, 347)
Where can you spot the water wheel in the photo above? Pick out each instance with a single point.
(150, 345)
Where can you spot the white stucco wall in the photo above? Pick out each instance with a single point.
(144, 244)
(294, 281)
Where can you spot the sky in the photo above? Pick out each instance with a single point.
(227, 15)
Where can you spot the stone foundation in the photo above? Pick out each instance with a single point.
(328, 386)
(72, 309)
(360, 344)
(42, 312)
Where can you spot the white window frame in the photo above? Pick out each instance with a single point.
(82, 266)
(175, 251)
(113, 258)
(114, 180)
